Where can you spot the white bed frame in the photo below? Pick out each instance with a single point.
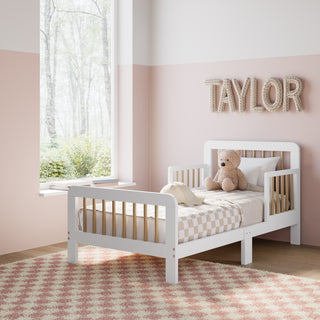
(171, 250)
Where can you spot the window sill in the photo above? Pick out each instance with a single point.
(117, 185)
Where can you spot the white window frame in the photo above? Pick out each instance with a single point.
(114, 111)
(114, 91)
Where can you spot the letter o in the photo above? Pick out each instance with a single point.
(269, 105)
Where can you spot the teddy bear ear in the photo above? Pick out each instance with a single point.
(220, 150)
(238, 152)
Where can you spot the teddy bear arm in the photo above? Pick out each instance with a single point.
(216, 177)
(242, 180)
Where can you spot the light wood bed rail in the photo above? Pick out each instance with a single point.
(123, 213)
(191, 175)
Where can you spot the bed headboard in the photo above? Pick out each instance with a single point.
(289, 152)
(282, 187)
(193, 175)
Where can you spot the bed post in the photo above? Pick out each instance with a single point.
(295, 230)
(246, 248)
(171, 242)
(172, 269)
(207, 157)
(72, 244)
(295, 234)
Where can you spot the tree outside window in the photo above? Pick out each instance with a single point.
(76, 107)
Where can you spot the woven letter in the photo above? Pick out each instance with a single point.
(266, 94)
(253, 96)
(241, 93)
(226, 96)
(292, 94)
(213, 83)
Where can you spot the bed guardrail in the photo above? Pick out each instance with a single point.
(281, 191)
(165, 250)
(191, 175)
(114, 212)
(125, 197)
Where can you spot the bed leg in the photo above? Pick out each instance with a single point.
(172, 270)
(246, 248)
(72, 251)
(295, 234)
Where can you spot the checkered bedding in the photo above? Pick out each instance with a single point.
(196, 222)
(220, 212)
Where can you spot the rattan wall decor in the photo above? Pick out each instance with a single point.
(286, 90)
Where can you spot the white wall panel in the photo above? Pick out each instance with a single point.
(125, 32)
(187, 31)
(142, 32)
(134, 32)
(19, 25)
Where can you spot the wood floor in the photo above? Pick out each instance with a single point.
(274, 256)
(302, 261)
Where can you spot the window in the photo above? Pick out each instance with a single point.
(77, 85)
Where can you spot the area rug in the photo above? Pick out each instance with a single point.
(110, 284)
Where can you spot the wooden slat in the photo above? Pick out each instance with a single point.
(277, 195)
(254, 153)
(291, 192)
(85, 215)
(177, 175)
(272, 197)
(188, 175)
(134, 205)
(287, 192)
(193, 179)
(104, 218)
(94, 216)
(272, 153)
(114, 219)
(281, 160)
(282, 193)
(198, 177)
(124, 220)
(182, 176)
(156, 225)
(263, 154)
(245, 153)
(145, 222)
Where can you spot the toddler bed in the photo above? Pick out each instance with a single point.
(154, 224)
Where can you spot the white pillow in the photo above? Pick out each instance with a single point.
(182, 193)
(255, 188)
(265, 164)
(251, 174)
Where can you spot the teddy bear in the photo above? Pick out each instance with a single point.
(229, 177)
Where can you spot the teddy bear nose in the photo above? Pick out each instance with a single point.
(222, 164)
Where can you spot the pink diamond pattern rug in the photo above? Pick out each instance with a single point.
(110, 284)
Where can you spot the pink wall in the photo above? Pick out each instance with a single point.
(125, 125)
(141, 104)
(181, 121)
(133, 126)
(26, 219)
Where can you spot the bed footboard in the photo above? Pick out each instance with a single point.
(122, 242)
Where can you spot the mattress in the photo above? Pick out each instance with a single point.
(220, 211)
